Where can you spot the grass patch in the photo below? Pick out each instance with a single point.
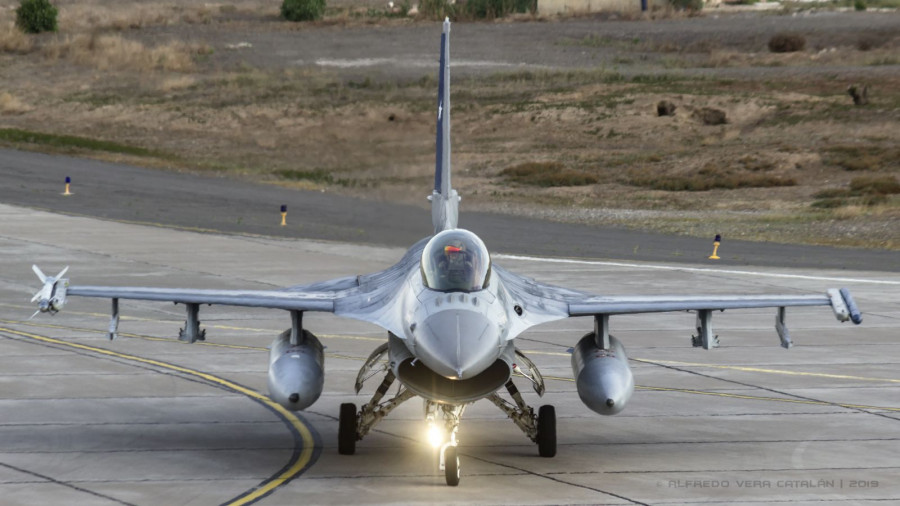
(875, 185)
(569, 79)
(10, 104)
(323, 177)
(13, 40)
(320, 176)
(547, 174)
(855, 158)
(72, 142)
(117, 52)
(864, 191)
(594, 40)
(709, 178)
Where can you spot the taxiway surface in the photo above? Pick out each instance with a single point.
(146, 419)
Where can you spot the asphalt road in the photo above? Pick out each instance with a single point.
(126, 193)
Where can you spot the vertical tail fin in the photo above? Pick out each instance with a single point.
(444, 199)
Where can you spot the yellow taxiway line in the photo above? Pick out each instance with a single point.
(767, 370)
(264, 488)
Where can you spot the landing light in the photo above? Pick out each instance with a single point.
(435, 435)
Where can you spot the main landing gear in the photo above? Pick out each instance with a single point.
(353, 426)
(443, 419)
(541, 428)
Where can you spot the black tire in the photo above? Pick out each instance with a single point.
(546, 431)
(451, 466)
(347, 429)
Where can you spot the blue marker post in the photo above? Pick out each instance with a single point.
(716, 242)
(283, 215)
(68, 182)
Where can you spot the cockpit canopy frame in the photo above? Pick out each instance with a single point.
(456, 261)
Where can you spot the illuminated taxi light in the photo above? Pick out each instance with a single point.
(435, 435)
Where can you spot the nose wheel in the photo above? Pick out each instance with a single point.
(451, 465)
(443, 426)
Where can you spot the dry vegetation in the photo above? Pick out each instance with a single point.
(796, 160)
(114, 51)
(13, 40)
(9, 104)
(546, 174)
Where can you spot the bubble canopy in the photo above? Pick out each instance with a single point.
(456, 261)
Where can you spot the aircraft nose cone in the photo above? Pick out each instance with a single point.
(457, 344)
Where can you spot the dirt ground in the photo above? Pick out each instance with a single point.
(348, 105)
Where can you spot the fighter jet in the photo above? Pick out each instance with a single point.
(452, 317)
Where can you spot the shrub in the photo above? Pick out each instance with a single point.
(830, 203)
(787, 43)
(710, 116)
(525, 6)
(856, 158)
(859, 5)
(36, 16)
(883, 185)
(474, 9)
(489, 9)
(302, 10)
(687, 5)
(437, 9)
(870, 41)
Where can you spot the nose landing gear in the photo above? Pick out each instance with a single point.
(446, 438)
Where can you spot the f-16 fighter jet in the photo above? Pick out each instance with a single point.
(452, 317)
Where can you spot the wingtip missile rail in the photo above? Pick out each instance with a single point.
(52, 296)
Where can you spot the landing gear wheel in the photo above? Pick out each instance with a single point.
(546, 431)
(347, 429)
(451, 466)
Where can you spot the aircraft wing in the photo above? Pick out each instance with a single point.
(542, 302)
(368, 298)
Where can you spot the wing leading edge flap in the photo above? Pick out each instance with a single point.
(651, 304)
(277, 299)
